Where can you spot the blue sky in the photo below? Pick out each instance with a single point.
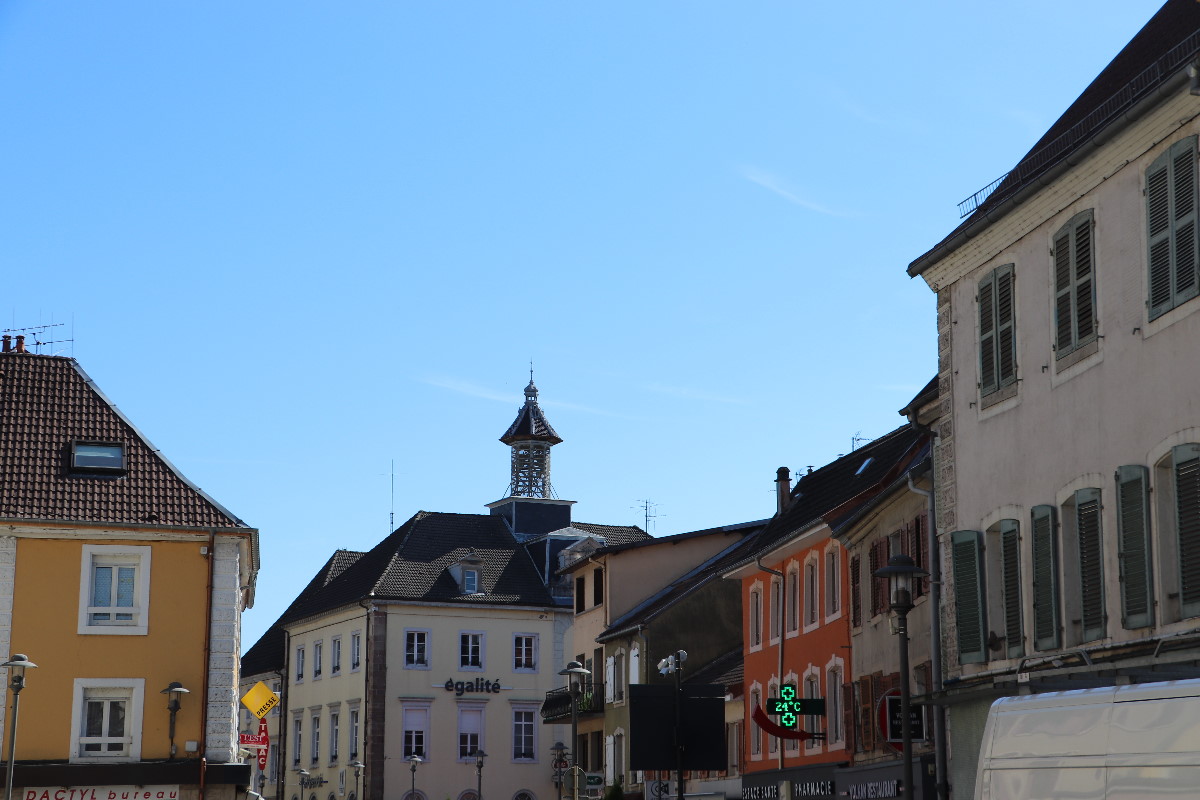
(299, 241)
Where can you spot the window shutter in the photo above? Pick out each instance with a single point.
(1010, 568)
(923, 548)
(1045, 578)
(987, 334)
(1006, 330)
(608, 760)
(856, 591)
(1158, 220)
(866, 699)
(1133, 536)
(1064, 334)
(1085, 284)
(608, 679)
(1187, 518)
(635, 658)
(1183, 223)
(1091, 563)
(966, 552)
(872, 566)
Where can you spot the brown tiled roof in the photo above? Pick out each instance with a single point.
(46, 403)
(1156, 55)
(613, 535)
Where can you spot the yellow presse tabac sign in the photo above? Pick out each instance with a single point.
(260, 699)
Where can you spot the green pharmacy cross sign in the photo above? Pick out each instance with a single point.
(789, 708)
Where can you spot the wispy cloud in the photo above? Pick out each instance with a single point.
(689, 393)
(474, 390)
(773, 183)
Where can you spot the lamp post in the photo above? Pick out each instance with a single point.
(358, 768)
(16, 671)
(900, 572)
(414, 760)
(574, 672)
(174, 692)
(560, 764)
(479, 757)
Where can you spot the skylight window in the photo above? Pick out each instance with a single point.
(864, 466)
(98, 457)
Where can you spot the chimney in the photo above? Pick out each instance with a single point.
(783, 488)
(20, 343)
(7, 343)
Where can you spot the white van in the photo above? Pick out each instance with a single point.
(1119, 743)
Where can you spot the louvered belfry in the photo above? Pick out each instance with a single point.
(530, 437)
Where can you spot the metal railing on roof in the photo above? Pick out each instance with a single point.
(1034, 163)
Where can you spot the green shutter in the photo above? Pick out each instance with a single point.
(1133, 535)
(987, 334)
(1171, 227)
(1045, 579)
(1006, 326)
(1085, 281)
(1074, 285)
(1091, 563)
(966, 553)
(1010, 574)
(1187, 520)
(1064, 299)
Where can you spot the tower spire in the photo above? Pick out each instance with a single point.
(530, 437)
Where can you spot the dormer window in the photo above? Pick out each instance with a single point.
(466, 573)
(470, 581)
(101, 458)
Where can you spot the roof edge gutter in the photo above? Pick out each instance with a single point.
(1068, 161)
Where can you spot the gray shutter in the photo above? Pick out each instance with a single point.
(1133, 534)
(1084, 278)
(966, 552)
(1010, 575)
(1045, 578)
(1064, 297)
(1183, 218)
(1006, 326)
(1091, 563)
(987, 334)
(1158, 221)
(1187, 520)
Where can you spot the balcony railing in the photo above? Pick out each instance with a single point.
(557, 704)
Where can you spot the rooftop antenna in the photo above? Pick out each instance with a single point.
(648, 512)
(40, 335)
(858, 439)
(392, 513)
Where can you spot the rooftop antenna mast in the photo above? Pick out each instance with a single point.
(392, 512)
(38, 334)
(648, 512)
(858, 439)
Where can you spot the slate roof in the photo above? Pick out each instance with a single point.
(729, 670)
(613, 534)
(46, 402)
(530, 422)
(267, 654)
(1156, 55)
(836, 489)
(412, 564)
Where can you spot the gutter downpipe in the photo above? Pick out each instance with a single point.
(935, 628)
(782, 631)
(212, 557)
(368, 606)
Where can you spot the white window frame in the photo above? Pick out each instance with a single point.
(314, 738)
(752, 730)
(355, 651)
(619, 692)
(532, 710)
(754, 623)
(468, 710)
(335, 655)
(318, 651)
(335, 733)
(792, 599)
(353, 731)
(428, 635)
(831, 564)
(470, 581)
(772, 739)
(536, 646)
(297, 738)
(97, 555)
(299, 664)
(835, 713)
(482, 651)
(810, 581)
(775, 611)
(812, 678)
(409, 713)
(131, 688)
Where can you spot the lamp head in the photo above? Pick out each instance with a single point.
(16, 669)
(174, 691)
(900, 572)
(479, 757)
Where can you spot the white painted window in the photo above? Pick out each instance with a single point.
(107, 714)
(335, 655)
(811, 592)
(793, 599)
(416, 729)
(470, 731)
(524, 733)
(416, 649)
(470, 581)
(525, 652)
(756, 616)
(353, 732)
(335, 733)
(318, 652)
(299, 663)
(834, 717)
(776, 611)
(471, 650)
(297, 740)
(755, 731)
(355, 650)
(114, 590)
(316, 738)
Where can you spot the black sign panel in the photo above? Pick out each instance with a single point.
(701, 726)
(895, 720)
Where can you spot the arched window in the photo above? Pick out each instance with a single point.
(524, 795)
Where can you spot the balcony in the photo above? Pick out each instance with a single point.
(557, 705)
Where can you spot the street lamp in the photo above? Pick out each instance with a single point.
(575, 672)
(358, 768)
(16, 670)
(900, 572)
(173, 691)
(560, 763)
(415, 760)
(479, 757)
